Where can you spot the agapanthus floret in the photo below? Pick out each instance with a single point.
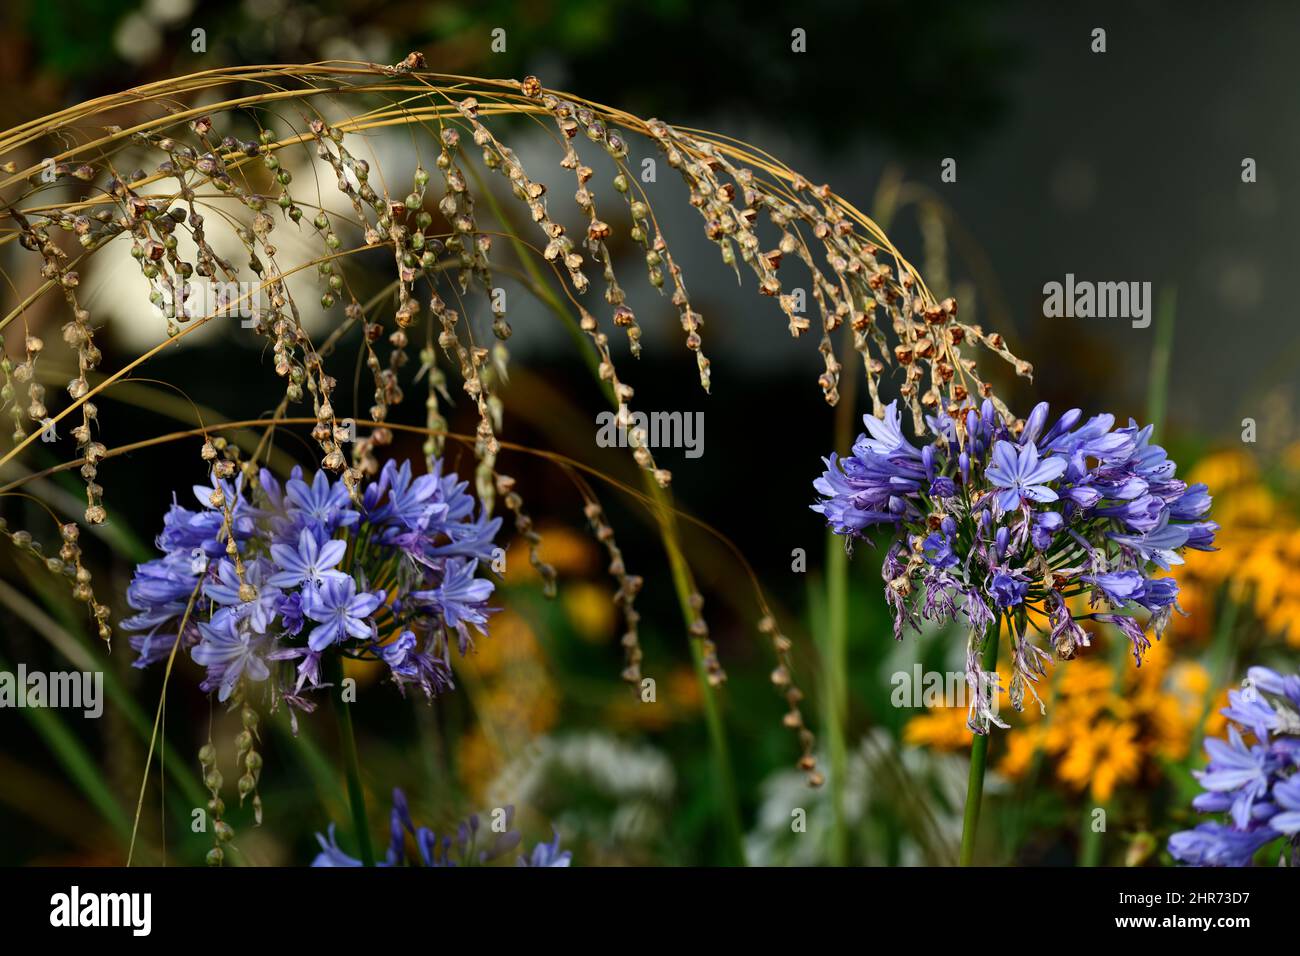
(230, 651)
(1021, 474)
(997, 520)
(311, 560)
(302, 581)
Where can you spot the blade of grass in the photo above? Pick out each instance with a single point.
(1158, 380)
(86, 659)
(1092, 838)
(333, 664)
(43, 798)
(314, 759)
(76, 760)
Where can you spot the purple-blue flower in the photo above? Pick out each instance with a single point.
(330, 854)
(323, 503)
(1119, 587)
(1022, 474)
(548, 854)
(230, 652)
(1257, 784)
(990, 520)
(1008, 589)
(309, 561)
(473, 843)
(299, 583)
(340, 611)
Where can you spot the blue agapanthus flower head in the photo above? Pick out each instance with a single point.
(996, 519)
(475, 842)
(396, 576)
(1252, 779)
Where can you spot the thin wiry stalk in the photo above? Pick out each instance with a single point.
(857, 277)
(708, 672)
(153, 737)
(351, 766)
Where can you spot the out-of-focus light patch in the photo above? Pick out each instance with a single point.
(1239, 283)
(117, 294)
(370, 45)
(590, 609)
(287, 24)
(264, 9)
(136, 39)
(168, 11)
(1074, 185)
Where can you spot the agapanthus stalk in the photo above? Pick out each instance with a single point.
(978, 757)
(999, 519)
(333, 664)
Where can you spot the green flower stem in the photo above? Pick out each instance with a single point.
(683, 580)
(835, 649)
(333, 664)
(1091, 838)
(1158, 379)
(835, 668)
(978, 757)
(684, 584)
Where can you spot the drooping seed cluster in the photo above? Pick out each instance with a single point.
(68, 566)
(443, 255)
(78, 336)
(629, 586)
(249, 761)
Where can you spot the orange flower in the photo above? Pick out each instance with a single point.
(943, 728)
(1101, 758)
(1102, 730)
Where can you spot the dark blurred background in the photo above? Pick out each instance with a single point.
(1115, 166)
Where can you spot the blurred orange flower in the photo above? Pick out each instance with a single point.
(1099, 733)
(1259, 545)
